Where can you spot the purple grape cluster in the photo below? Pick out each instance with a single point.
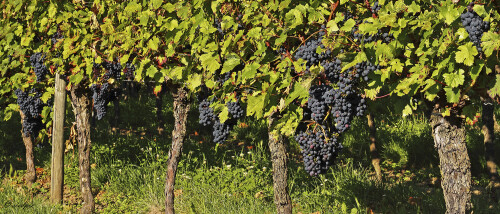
(365, 68)
(56, 37)
(320, 98)
(367, 38)
(475, 26)
(32, 107)
(221, 130)
(37, 60)
(102, 95)
(376, 7)
(308, 51)
(332, 105)
(318, 150)
(207, 115)
(129, 70)
(344, 109)
(113, 69)
(218, 25)
(347, 16)
(235, 110)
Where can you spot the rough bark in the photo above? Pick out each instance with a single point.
(30, 176)
(489, 139)
(449, 140)
(57, 163)
(81, 103)
(181, 109)
(373, 146)
(280, 171)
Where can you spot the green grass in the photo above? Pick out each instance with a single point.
(128, 174)
(18, 200)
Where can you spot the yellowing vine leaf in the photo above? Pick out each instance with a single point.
(466, 54)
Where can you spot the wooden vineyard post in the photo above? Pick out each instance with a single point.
(57, 163)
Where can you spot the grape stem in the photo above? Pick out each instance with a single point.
(334, 7)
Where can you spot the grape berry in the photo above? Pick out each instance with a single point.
(32, 107)
(37, 60)
(475, 26)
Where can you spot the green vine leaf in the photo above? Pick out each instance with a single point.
(452, 94)
(495, 90)
(466, 54)
(454, 79)
(490, 42)
(256, 105)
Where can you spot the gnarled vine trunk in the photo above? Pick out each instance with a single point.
(30, 175)
(449, 140)
(181, 109)
(81, 103)
(373, 146)
(277, 148)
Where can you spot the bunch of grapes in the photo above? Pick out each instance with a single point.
(365, 68)
(129, 70)
(114, 69)
(207, 115)
(218, 25)
(235, 110)
(475, 26)
(332, 105)
(32, 107)
(376, 7)
(332, 69)
(221, 130)
(320, 98)
(308, 51)
(102, 96)
(367, 38)
(41, 70)
(56, 37)
(347, 16)
(318, 149)
(343, 111)
(105, 93)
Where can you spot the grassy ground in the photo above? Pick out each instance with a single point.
(128, 171)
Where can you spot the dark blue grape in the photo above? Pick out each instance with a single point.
(113, 69)
(235, 110)
(37, 60)
(56, 37)
(319, 150)
(32, 107)
(475, 26)
(102, 96)
(207, 115)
